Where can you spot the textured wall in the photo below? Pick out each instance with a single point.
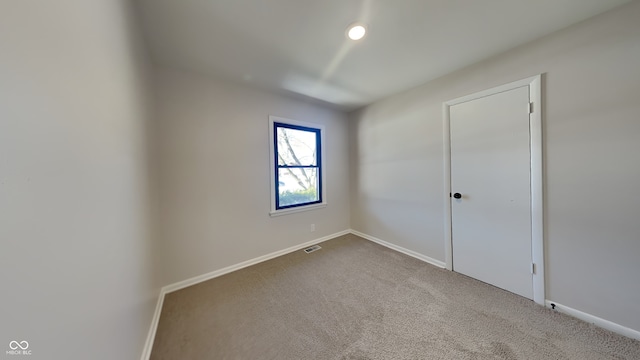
(215, 202)
(591, 91)
(76, 252)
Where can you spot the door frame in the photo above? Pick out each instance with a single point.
(535, 148)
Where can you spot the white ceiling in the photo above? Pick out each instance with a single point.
(299, 46)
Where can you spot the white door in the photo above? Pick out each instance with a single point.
(490, 170)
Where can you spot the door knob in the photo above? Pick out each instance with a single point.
(457, 196)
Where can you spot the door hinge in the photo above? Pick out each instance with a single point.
(530, 108)
(533, 268)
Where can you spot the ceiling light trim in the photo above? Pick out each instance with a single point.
(356, 31)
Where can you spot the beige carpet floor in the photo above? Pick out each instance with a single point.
(354, 299)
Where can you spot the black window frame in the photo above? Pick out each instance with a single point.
(318, 165)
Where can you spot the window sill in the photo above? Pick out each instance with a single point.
(296, 209)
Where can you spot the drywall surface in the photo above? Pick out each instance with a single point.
(591, 89)
(215, 176)
(76, 254)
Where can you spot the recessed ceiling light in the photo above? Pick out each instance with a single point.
(356, 31)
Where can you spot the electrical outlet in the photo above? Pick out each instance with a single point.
(313, 227)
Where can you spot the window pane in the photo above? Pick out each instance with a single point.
(296, 147)
(297, 186)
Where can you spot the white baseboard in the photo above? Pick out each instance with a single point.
(397, 248)
(146, 352)
(148, 345)
(214, 274)
(605, 324)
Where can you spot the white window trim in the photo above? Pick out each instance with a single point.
(272, 166)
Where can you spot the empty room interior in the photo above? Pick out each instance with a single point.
(467, 170)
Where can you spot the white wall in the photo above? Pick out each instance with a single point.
(76, 254)
(591, 143)
(215, 202)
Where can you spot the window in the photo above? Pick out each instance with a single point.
(296, 165)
